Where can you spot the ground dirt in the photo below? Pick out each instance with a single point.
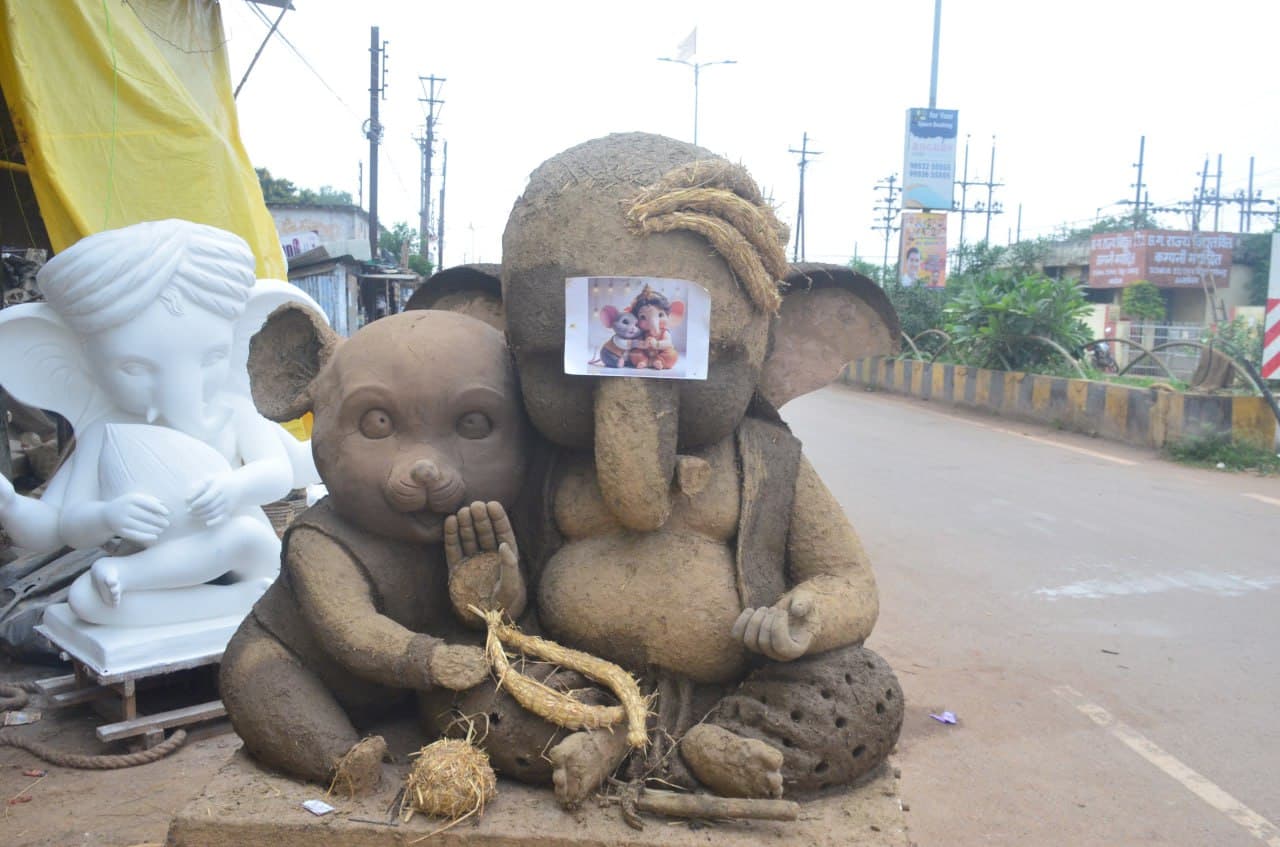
(120, 808)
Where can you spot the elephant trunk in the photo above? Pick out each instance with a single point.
(635, 440)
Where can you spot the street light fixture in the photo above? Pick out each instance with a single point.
(697, 68)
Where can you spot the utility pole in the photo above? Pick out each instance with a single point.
(890, 214)
(933, 68)
(797, 251)
(444, 175)
(1198, 203)
(991, 207)
(1138, 186)
(1246, 208)
(991, 187)
(427, 145)
(964, 205)
(1217, 194)
(373, 130)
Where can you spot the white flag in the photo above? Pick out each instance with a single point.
(688, 47)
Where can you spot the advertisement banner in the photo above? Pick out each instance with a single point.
(922, 250)
(929, 169)
(1164, 258)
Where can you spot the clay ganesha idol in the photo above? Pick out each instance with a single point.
(680, 530)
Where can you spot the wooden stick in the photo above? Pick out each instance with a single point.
(674, 805)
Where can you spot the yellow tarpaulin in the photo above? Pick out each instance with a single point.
(125, 114)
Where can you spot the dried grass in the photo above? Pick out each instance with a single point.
(719, 201)
(450, 778)
(557, 707)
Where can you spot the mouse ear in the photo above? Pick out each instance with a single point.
(608, 315)
(474, 290)
(285, 357)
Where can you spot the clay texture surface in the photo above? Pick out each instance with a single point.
(417, 427)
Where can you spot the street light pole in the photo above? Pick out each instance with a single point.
(697, 69)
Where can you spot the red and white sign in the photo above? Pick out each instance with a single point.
(1271, 333)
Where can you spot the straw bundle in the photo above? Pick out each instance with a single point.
(557, 707)
(450, 778)
(720, 202)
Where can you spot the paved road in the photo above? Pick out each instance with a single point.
(1105, 624)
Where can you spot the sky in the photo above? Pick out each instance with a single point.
(1064, 91)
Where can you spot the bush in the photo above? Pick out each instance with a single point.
(993, 316)
(919, 308)
(1239, 338)
(1214, 450)
(1142, 301)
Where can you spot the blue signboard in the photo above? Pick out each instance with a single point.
(929, 169)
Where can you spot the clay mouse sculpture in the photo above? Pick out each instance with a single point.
(688, 539)
(419, 436)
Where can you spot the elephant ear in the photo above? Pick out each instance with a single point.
(474, 290)
(285, 357)
(830, 316)
(42, 364)
(267, 296)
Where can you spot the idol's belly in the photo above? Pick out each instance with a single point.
(665, 599)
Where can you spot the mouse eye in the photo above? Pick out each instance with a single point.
(376, 423)
(474, 425)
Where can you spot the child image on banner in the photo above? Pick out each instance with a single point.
(636, 326)
(923, 260)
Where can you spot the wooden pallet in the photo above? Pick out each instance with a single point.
(115, 696)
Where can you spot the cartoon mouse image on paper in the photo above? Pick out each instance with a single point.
(626, 335)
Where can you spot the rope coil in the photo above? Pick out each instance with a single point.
(719, 201)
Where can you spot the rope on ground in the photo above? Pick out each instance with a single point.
(96, 763)
(13, 695)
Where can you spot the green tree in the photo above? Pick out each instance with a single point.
(1142, 301)
(420, 265)
(993, 317)
(1240, 338)
(975, 260)
(283, 191)
(919, 308)
(1121, 223)
(1025, 257)
(396, 240)
(276, 190)
(872, 271)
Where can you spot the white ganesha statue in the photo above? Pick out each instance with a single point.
(142, 344)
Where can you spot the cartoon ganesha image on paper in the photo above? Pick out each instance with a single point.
(641, 332)
(655, 315)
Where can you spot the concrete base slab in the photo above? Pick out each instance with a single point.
(244, 804)
(117, 651)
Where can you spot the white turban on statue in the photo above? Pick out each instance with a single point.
(109, 278)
